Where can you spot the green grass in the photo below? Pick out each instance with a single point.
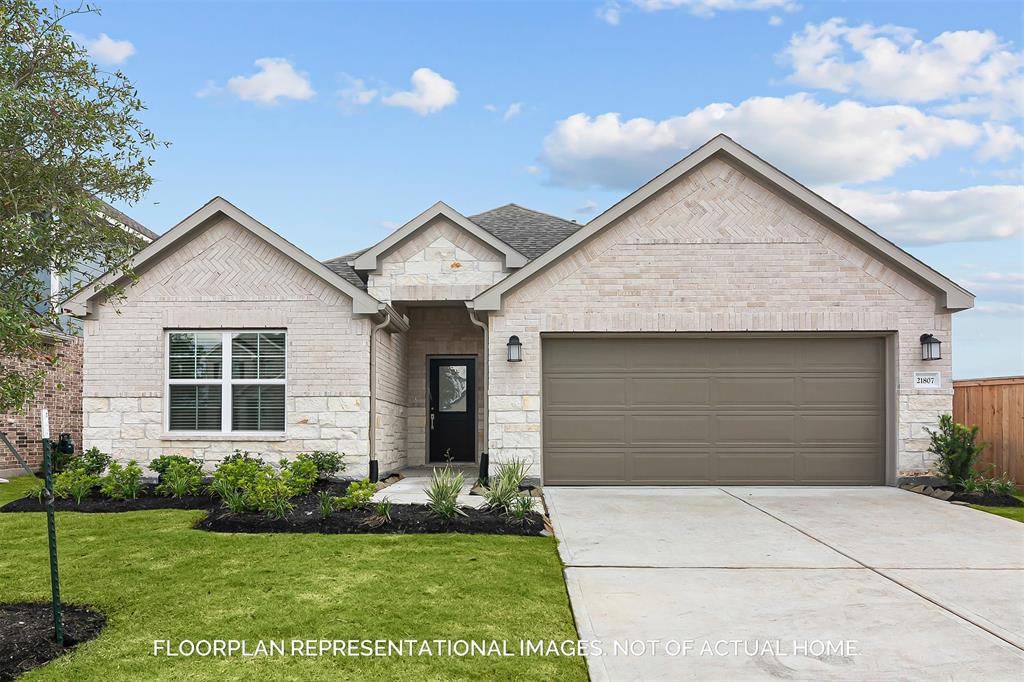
(1015, 513)
(156, 578)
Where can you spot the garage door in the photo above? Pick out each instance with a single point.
(661, 410)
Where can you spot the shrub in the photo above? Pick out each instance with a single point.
(971, 484)
(326, 500)
(74, 483)
(503, 490)
(382, 510)
(122, 482)
(37, 490)
(443, 493)
(181, 477)
(358, 495)
(327, 463)
(521, 508)
(243, 455)
(92, 461)
(1004, 485)
(300, 475)
(272, 495)
(241, 472)
(233, 498)
(162, 463)
(957, 450)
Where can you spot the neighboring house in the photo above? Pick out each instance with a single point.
(61, 394)
(721, 324)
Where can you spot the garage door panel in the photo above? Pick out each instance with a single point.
(714, 410)
(756, 429)
(841, 391)
(669, 391)
(777, 391)
(671, 429)
(582, 391)
(676, 468)
(579, 429)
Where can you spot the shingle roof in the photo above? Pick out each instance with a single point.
(529, 232)
(128, 221)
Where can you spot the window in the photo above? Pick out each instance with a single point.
(226, 382)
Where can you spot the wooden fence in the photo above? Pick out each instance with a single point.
(996, 406)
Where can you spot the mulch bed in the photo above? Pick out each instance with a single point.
(405, 518)
(147, 499)
(26, 634)
(990, 499)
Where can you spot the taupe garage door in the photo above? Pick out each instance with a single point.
(663, 410)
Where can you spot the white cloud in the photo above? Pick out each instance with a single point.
(490, 107)
(106, 50)
(997, 308)
(514, 109)
(276, 79)
(209, 89)
(389, 225)
(355, 93)
(918, 217)
(430, 93)
(610, 13)
(1001, 141)
(585, 208)
(775, 20)
(707, 8)
(972, 72)
(533, 170)
(819, 144)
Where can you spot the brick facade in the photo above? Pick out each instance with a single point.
(61, 395)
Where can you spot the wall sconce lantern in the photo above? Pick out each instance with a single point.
(515, 349)
(930, 347)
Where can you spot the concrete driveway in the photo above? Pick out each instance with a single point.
(791, 584)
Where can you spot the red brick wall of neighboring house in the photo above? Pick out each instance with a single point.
(64, 404)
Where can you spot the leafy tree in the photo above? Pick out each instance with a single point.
(70, 138)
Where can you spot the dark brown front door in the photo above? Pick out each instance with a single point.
(452, 417)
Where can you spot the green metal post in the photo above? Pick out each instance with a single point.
(51, 531)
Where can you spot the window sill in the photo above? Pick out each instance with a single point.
(211, 435)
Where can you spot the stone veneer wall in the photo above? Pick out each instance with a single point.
(438, 331)
(440, 262)
(60, 395)
(392, 401)
(715, 251)
(227, 278)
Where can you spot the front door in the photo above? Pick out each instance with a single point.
(452, 418)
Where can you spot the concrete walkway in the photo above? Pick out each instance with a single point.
(754, 583)
(412, 488)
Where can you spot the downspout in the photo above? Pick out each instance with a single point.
(484, 368)
(373, 473)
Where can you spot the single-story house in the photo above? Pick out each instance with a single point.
(722, 324)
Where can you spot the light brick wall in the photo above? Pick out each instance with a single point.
(226, 278)
(392, 379)
(440, 262)
(438, 331)
(715, 251)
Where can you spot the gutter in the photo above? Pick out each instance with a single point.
(398, 323)
(484, 369)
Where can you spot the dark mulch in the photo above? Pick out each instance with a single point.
(405, 518)
(148, 499)
(26, 634)
(989, 499)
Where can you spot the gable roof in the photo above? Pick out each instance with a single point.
(129, 222)
(341, 265)
(362, 303)
(952, 296)
(367, 260)
(530, 232)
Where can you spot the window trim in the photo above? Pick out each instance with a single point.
(225, 382)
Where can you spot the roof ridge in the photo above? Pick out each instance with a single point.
(527, 208)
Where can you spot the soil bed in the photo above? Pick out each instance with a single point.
(405, 518)
(26, 631)
(147, 499)
(989, 499)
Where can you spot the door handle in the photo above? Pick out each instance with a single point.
(431, 421)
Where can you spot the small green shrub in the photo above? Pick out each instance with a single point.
(241, 472)
(503, 490)
(1004, 485)
(358, 495)
(327, 463)
(271, 494)
(92, 461)
(233, 498)
(381, 513)
(970, 484)
(521, 508)
(443, 493)
(326, 502)
(957, 449)
(37, 490)
(74, 483)
(122, 482)
(162, 463)
(300, 475)
(180, 478)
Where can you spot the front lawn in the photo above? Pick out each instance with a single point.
(1015, 513)
(156, 578)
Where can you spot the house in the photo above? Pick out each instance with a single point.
(722, 324)
(61, 393)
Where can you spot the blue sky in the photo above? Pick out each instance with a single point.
(335, 122)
